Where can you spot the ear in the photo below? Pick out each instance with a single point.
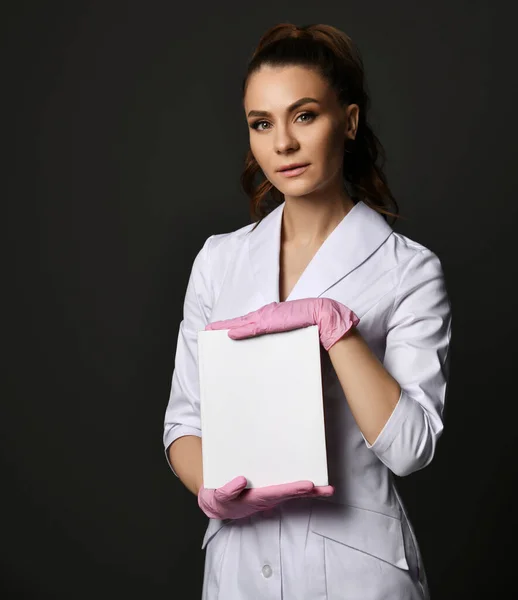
(351, 121)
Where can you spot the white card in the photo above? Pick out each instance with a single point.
(262, 408)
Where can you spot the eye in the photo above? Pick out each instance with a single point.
(256, 124)
(311, 116)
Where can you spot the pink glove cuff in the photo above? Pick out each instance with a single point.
(335, 320)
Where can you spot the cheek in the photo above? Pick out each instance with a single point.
(328, 147)
(335, 139)
(335, 149)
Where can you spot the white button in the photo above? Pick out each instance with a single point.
(267, 571)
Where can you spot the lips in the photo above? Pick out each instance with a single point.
(294, 172)
(292, 166)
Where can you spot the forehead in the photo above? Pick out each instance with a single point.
(273, 88)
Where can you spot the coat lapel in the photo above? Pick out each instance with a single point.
(360, 233)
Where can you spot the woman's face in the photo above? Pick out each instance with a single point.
(294, 117)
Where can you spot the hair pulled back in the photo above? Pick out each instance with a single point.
(335, 57)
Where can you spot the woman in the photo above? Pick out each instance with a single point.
(321, 253)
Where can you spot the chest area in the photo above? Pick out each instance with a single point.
(292, 264)
(369, 290)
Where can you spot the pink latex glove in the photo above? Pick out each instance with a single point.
(233, 501)
(334, 319)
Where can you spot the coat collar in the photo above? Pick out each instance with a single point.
(360, 233)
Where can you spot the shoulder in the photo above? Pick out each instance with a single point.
(408, 268)
(221, 244)
(218, 246)
(407, 247)
(419, 284)
(216, 254)
(411, 255)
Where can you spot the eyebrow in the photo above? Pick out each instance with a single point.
(291, 107)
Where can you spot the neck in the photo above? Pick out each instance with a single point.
(307, 221)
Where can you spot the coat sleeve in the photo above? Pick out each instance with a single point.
(417, 356)
(182, 415)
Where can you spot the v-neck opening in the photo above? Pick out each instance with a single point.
(352, 241)
(313, 258)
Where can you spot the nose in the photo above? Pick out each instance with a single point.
(284, 140)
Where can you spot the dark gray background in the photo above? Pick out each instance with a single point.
(125, 137)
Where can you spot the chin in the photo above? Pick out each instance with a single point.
(302, 189)
(299, 193)
(295, 185)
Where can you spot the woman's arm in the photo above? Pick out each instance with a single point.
(398, 405)
(185, 458)
(182, 422)
(371, 391)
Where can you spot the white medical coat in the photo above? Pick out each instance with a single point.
(359, 543)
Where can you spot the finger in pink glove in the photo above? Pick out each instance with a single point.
(233, 501)
(334, 319)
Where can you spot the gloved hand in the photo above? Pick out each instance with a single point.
(233, 501)
(334, 319)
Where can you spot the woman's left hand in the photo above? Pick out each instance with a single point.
(334, 319)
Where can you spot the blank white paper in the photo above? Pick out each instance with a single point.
(262, 408)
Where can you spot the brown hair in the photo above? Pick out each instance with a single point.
(333, 54)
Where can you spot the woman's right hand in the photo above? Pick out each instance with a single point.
(233, 501)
